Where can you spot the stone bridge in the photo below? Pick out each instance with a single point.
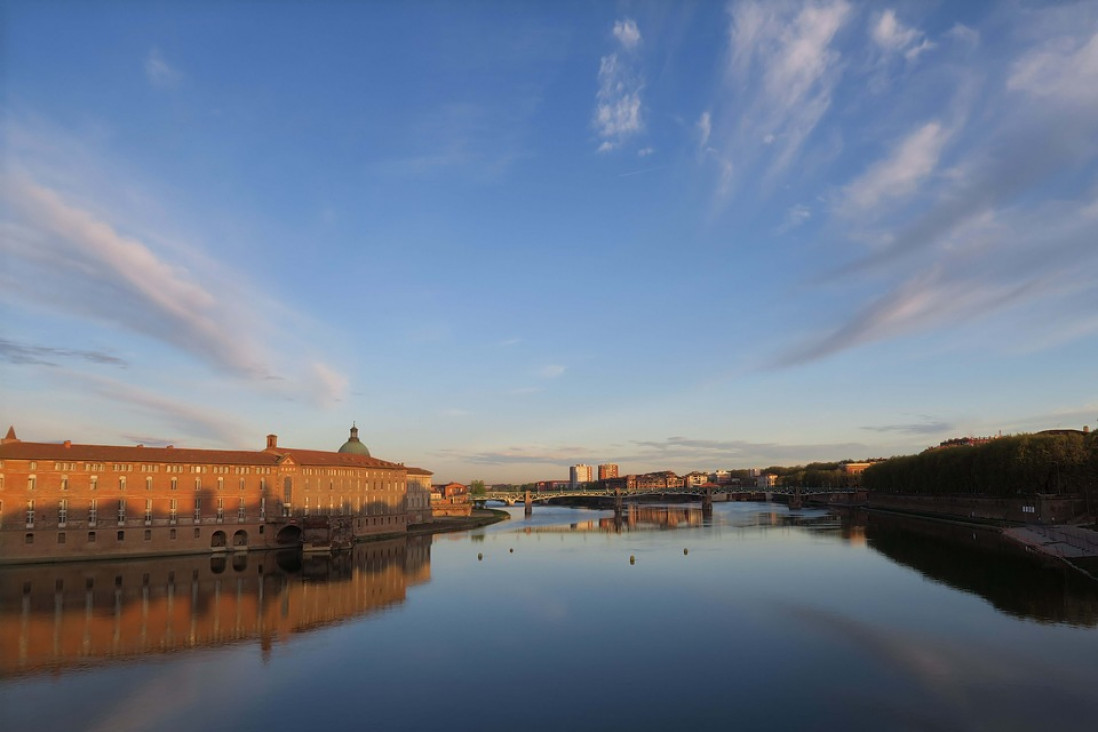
(706, 495)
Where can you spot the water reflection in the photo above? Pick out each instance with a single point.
(980, 561)
(648, 517)
(54, 617)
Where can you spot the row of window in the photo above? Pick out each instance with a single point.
(173, 511)
(93, 484)
(177, 468)
(62, 538)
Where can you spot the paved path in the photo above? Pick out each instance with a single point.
(1059, 541)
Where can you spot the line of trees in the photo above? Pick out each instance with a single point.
(1061, 462)
(814, 475)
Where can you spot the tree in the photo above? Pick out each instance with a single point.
(477, 488)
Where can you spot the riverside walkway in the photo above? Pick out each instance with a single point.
(1066, 542)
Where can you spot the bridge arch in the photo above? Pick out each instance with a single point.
(288, 536)
(218, 540)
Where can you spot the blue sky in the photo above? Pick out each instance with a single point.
(509, 237)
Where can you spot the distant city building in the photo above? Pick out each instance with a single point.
(608, 470)
(695, 479)
(855, 468)
(451, 499)
(769, 480)
(580, 474)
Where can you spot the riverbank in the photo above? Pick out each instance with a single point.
(446, 524)
(1074, 546)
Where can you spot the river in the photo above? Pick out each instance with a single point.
(754, 617)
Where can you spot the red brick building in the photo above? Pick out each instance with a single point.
(63, 500)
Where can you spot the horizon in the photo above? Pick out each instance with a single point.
(508, 239)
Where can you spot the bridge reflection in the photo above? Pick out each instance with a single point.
(642, 517)
(58, 616)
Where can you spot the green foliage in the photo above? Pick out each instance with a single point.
(477, 488)
(1006, 466)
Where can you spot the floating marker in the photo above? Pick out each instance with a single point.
(479, 556)
(632, 559)
(512, 550)
(685, 551)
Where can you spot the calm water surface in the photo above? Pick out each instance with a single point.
(754, 618)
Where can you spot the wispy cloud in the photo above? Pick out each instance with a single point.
(900, 173)
(795, 216)
(196, 421)
(618, 113)
(30, 354)
(705, 129)
(158, 71)
(627, 33)
(1065, 69)
(782, 72)
(892, 36)
(681, 453)
(925, 427)
(120, 279)
(328, 385)
(75, 246)
(551, 371)
(962, 221)
(475, 141)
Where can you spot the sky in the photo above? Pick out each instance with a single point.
(505, 238)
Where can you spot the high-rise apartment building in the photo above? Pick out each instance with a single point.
(608, 470)
(579, 474)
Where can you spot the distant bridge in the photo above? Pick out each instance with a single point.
(795, 497)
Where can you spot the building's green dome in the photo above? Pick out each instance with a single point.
(354, 446)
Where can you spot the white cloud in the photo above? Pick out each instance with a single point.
(645, 152)
(85, 247)
(158, 71)
(136, 288)
(190, 419)
(705, 128)
(618, 100)
(890, 34)
(915, 51)
(551, 371)
(627, 33)
(329, 386)
(963, 34)
(900, 173)
(782, 71)
(796, 216)
(1060, 71)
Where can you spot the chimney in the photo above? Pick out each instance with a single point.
(272, 442)
(68, 444)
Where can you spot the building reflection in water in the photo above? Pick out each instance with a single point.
(59, 616)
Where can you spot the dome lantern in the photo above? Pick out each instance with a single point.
(353, 445)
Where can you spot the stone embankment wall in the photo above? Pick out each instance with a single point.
(1044, 509)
